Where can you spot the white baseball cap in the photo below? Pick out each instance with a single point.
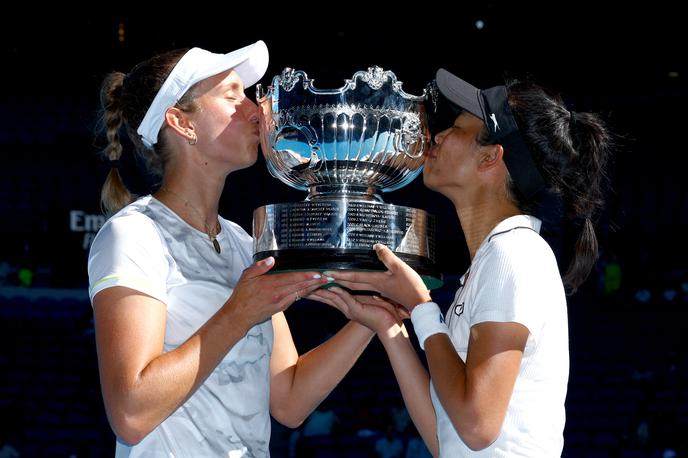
(197, 64)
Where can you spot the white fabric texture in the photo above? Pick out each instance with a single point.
(514, 278)
(147, 247)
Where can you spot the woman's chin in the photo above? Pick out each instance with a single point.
(427, 178)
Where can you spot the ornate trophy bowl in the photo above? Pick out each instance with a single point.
(345, 147)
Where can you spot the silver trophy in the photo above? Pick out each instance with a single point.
(345, 147)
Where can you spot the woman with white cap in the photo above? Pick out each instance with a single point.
(194, 350)
(498, 360)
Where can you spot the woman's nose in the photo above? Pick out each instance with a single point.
(251, 110)
(439, 136)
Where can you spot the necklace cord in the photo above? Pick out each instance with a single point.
(212, 235)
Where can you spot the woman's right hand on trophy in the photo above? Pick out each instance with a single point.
(258, 296)
(400, 284)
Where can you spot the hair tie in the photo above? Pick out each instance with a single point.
(114, 163)
(572, 118)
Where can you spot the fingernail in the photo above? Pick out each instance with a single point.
(317, 276)
(377, 246)
(329, 273)
(330, 278)
(269, 260)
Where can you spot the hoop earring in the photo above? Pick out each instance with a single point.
(193, 139)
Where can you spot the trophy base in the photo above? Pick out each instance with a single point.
(339, 234)
(347, 259)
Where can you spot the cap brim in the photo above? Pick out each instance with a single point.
(459, 92)
(253, 62)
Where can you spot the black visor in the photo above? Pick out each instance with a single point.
(492, 106)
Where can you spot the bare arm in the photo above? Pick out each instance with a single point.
(300, 383)
(414, 383)
(142, 385)
(476, 394)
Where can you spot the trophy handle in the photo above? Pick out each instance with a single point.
(402, 145)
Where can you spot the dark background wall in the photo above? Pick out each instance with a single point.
(628, 66)
(631, 71)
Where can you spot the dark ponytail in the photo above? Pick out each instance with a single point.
(571, 150)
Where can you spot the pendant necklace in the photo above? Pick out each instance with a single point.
(212, 234)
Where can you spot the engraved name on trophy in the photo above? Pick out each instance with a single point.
(345, 147)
